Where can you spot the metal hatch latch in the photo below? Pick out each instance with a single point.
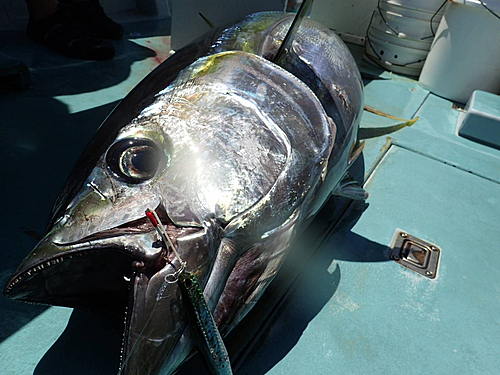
(414, 253)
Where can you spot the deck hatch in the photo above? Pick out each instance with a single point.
(416, 254)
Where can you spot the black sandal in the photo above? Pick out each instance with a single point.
(62, 33)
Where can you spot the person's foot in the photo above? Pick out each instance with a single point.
(92, 16)
(64, 34)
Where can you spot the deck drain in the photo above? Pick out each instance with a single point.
(415, 254)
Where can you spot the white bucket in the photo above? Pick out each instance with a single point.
(406, 70)
(465, 54)
(388, 36)
(424, 5)
(401, 33)
(404, 26)
(421, 14)
(394, 57)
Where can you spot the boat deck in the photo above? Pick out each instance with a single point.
(350, 308)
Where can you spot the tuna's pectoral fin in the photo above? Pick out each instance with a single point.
(349, 188)
(224, 263)
(252, 274)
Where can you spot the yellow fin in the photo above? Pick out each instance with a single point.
(365, 133)
(371, 109)
(356, 150)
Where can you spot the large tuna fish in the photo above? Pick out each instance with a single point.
(235, 153)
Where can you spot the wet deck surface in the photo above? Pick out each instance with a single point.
(350, 309)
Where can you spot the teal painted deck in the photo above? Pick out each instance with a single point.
(351, 309)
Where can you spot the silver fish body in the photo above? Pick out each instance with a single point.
(236, 155)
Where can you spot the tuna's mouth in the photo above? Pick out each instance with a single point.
(93, 272)
(141, 225)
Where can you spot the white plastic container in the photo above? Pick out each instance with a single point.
(480, 121)
(465, 54)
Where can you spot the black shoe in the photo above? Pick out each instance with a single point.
(92, 16)
(65, 35)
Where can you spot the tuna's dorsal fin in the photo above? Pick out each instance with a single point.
(287, 42)
(349, 188)
(207, 21)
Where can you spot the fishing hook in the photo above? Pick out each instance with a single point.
(155, 220)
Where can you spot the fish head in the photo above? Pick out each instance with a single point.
(103, 234)
(102, 252)
(225, 155)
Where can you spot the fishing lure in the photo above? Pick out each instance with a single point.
(207, 335)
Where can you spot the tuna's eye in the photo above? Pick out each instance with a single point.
(134, 160)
